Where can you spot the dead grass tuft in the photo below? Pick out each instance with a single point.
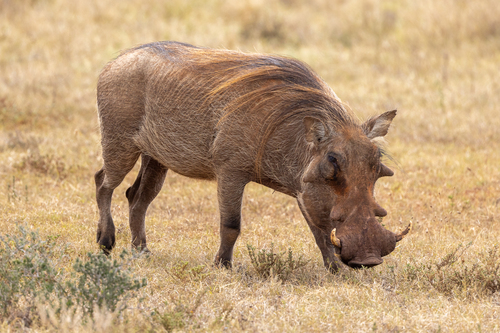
(42, 164)
(458, 276)
(179, 313)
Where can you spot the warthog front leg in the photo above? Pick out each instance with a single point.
(140, 195)
(331, 262)
(230, 194)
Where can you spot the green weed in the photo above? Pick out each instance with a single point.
(182, 272)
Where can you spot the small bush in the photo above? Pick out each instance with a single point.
(31, 273)
(28, 273)
(267, 263)
(102, 283)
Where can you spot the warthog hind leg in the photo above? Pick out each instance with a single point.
(105, 227)
(140, 195)
(106, 180)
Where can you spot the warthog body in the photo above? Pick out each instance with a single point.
(236, 118)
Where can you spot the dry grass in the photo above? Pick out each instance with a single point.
(436, 62)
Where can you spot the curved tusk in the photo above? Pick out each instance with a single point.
(404, 233)
(334, 239)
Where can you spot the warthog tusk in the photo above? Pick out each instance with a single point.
(404, 233)
(335, 240)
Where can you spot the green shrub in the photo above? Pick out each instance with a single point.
(101, 282)
(267, 263)
(31, 274)
(28, 273)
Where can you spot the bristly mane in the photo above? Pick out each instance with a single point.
(286, 87)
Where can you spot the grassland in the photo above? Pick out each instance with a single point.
(437, 62)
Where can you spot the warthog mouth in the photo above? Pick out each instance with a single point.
(365, 260)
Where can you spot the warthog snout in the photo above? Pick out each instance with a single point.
(366, 248)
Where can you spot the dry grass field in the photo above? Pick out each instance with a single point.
(437, 62)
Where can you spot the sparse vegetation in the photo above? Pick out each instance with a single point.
(182, 272)
(31, 274)
(101, 282)
(270, 264)
(179, 313)
(455, 275)
(28, 274)
(434, 61)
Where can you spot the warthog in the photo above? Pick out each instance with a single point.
(236, 118)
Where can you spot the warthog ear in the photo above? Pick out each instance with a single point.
(378, 125)
(315, 130)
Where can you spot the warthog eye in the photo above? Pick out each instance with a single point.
(333, 160)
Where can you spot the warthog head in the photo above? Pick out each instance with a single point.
(338, 190)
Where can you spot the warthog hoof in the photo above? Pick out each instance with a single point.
(106, 243)
(222, 263)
